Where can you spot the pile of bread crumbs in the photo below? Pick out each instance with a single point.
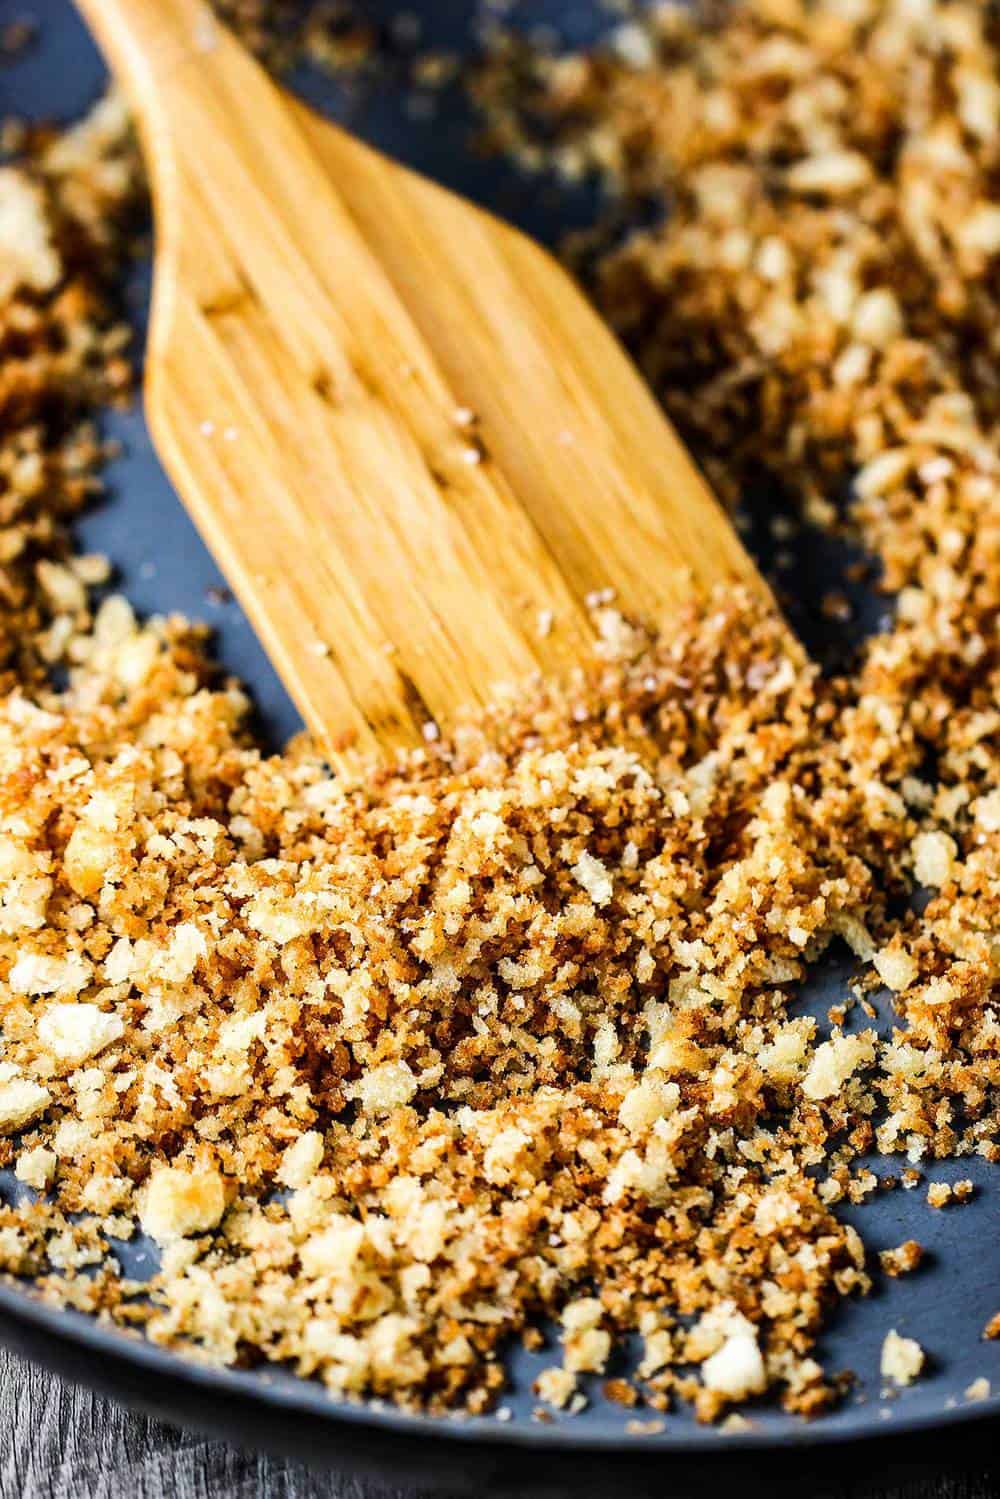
(398, 1067)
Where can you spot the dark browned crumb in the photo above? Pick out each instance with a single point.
(621, 1392)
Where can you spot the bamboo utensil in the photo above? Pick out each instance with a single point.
(413, 447)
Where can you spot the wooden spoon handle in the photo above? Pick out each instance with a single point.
(140, 36)
(146, 39)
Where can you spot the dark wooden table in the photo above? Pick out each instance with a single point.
(62, 1443)
(57, 1442)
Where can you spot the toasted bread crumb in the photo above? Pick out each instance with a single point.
(902, 1358)
(397, 1065)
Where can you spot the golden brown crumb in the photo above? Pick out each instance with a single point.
(621, 1392)
(942, 1194)
(902, 1260)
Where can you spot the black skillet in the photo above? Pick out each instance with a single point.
(163, 565)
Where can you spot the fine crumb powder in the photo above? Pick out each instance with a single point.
(396, 1066)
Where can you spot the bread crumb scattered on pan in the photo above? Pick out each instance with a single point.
(396, 1066)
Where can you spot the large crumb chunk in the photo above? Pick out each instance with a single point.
(75, 1032)
(302, 1159)
(36, 1167)
(21, 1100)
(41, 974)
(933, 858)
(27, 255)
(180, 1201)
(896, 968)
(387, 1087)
(736, 1369)
(902, 1358)
(556, 1386)
(835, 1061)
(594, 878)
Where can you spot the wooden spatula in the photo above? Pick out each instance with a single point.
(412, 446)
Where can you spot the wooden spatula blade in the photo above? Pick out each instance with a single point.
(413, 447)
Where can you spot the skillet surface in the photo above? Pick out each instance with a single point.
(163, 565)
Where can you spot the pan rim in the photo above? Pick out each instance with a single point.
(307, 1398)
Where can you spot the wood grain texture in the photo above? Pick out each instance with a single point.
(62, 1443)
(58, 1442)
(401, 428)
